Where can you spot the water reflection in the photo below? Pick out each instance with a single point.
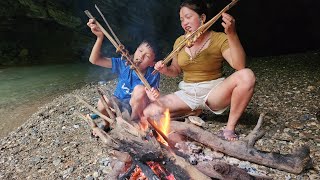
(23, 89)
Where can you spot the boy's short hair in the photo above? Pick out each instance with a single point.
(154, 46)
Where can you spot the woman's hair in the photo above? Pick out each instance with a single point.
(199, 6)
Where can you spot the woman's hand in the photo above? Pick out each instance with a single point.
(94, 28)
(153, 94)
(229, 24)
(160, 66)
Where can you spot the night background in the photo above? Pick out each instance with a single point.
(46, 31)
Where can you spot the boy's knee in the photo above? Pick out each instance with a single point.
(138, 93)
(138, 89)
(100, 106)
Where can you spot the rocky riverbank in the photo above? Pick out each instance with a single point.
(56, 144)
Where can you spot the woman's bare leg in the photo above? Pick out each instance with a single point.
(236, 91)
(171, 102)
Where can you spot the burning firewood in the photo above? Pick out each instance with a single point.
(142, 148)
(136, 150)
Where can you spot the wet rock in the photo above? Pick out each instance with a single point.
(296, 125)
(318, 115)
(305, 117)
(311, 88)
(96, 174)
(89, 177)
(67, 172)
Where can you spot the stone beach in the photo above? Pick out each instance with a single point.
(54, 143)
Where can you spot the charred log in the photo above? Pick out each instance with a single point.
(295, 163)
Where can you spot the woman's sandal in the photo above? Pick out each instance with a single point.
(229, 135)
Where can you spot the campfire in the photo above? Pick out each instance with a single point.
(179, 150)
(151, 169)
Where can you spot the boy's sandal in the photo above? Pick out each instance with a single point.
(94, 116)
(229, 135)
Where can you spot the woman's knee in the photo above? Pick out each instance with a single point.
(153, 110)
(247, 77)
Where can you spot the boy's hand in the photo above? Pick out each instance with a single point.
(153, 94)
(94, 28)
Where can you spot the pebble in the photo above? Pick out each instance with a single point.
(296, 125)
(96, 174)
(56, 162)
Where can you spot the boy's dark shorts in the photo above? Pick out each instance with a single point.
(124, 104)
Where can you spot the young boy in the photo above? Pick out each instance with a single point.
(129, 90)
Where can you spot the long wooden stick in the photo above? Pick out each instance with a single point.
(155, 127)
(190, 39)
(111, 121)
(105, 21)
(105, 104)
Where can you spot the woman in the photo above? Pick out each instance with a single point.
(203, 86)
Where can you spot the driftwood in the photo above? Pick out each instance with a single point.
(137, 146)
(244, 149)
(131, 144)
(127, 146)
(226, 171)
(127, 137)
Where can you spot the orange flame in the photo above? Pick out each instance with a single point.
(165, 122)
(164, 126)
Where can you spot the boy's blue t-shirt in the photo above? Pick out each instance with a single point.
(128, 79)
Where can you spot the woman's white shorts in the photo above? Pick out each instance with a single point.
(195, 95)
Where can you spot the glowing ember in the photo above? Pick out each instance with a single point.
(161, 172)
(137, 174)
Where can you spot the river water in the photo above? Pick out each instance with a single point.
(24, 89)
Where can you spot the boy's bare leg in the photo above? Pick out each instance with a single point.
(101, 107)
(138, 102)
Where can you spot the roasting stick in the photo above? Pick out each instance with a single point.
(191, 38)
(155, 127)
(105, 21)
